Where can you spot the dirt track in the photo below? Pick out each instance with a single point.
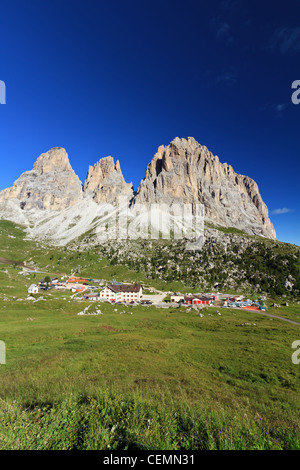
(9, 261)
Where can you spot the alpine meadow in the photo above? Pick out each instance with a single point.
(149, 228)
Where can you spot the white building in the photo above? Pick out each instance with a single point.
(122, 293)
(94, 296)
(177, 298)
(33, 289)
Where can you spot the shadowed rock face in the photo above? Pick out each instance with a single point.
(186, 172)
(51, 185)
(105, 182)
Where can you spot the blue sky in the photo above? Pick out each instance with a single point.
(121, 78)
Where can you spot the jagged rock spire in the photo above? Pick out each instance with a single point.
(105, 182)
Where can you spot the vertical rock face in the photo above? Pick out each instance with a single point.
(51, 185)
(105, 182)
(186, 172)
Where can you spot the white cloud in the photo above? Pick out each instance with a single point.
(280, 107)
(229, 4)
(284, 210)
(222, 30)
(227, 76)
(287, 40)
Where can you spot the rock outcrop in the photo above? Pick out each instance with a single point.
(51, 185)
(105, 182)
(187, 172)
(51, 202)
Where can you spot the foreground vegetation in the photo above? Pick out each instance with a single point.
(131, 422)
(146, 378)
(138, 377)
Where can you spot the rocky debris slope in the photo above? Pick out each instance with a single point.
(187, 172)
(105, 182)
(227, 261)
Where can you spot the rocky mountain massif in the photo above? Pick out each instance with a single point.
(188, 172)
(51, 202)
(51, 185)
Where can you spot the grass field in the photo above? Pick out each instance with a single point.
(138, 377)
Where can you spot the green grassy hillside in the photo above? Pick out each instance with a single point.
(138, 377)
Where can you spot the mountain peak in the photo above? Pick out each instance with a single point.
(105, 182)
(56, 159)
(185, 172)
(185, 142)
(51, 185)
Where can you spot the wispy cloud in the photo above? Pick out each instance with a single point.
(277, 109)
(280, 107)
(229, 4)
(286, 40)
(284, 210)
(222, 30)
(227, 76)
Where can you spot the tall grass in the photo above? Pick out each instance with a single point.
(112, 420)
